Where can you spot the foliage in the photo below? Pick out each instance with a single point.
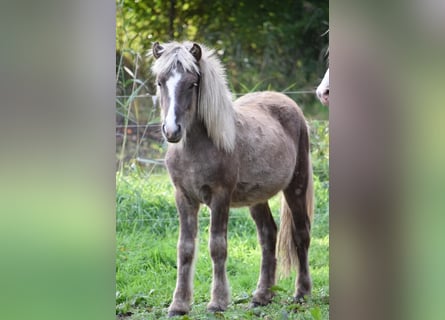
(320, 148)
(145, 202)
(137, 117)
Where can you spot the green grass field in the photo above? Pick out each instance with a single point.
(147, 231)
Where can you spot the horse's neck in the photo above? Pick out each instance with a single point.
(196, 134)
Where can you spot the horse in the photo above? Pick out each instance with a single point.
(323, 89)
(231, 154)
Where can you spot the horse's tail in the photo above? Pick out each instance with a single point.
(288, 237)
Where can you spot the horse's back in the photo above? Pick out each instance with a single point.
(263, 97)
(272, 105)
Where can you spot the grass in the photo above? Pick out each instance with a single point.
(147, 230)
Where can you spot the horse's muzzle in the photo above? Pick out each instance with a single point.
(172, 136)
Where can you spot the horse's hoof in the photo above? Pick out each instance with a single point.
(175, 313)
(214, 307)
(261, 298)
(254, 304)
(178, 308)
(259, 303)
(300, 298)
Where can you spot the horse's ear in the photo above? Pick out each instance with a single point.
(157, 50)
(196, 51)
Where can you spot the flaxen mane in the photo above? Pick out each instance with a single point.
(215, 104)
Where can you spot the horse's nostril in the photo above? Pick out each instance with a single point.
(179, 128)
(163, 129)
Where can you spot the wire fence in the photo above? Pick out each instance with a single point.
(233, 216)
(201, 218)
(159, 161)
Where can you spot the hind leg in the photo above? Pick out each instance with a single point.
(295, 195)
(267, 236)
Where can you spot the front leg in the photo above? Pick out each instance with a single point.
(218, 251)
(188, 213)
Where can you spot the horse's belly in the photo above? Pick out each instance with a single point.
(248, 195)
(267, 150)
(257, 185)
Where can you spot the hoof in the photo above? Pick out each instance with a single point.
(178, 309)
(258, 303)
(261, 298)
(175, 313)
(214, 307)
(254, 304)
(301, 298)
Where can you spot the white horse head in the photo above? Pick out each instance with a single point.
(323, 89)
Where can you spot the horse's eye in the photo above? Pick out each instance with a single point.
(159, 84)
(194, 84)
